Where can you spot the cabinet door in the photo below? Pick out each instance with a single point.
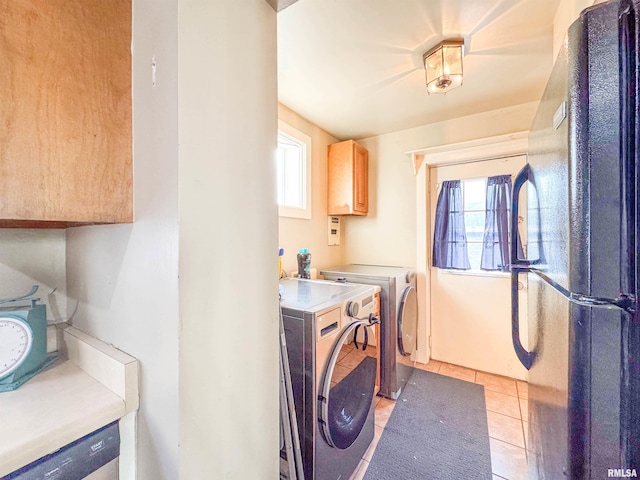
(65, 142)
(360, 180)
(347, 179)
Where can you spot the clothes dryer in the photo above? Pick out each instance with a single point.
(398, 316)
(332, 374)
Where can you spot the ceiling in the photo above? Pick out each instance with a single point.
(354, 67)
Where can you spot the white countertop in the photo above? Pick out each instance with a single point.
(51, 410)
(61, 404)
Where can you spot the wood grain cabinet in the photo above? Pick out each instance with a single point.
(65, 114)
(348, 179)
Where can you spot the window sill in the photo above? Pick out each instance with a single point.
(293, 212)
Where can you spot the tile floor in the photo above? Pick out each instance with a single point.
(506, 401)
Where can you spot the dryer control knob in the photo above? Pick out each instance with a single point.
(352, 309)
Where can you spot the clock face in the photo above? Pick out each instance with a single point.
(15, 343)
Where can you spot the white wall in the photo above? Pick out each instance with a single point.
(228, 240)
(471, 314)
(396, 232)
(210, 411)
(388, 234)
(35, 257)
(125, 277)
(296, 233)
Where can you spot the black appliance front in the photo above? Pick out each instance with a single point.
(595, 257)
(346, 389)
(582, 264)
(629, 35)
(334, 439)
(77, 460)
(548, 249)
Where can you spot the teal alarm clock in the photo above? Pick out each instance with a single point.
(23, 341)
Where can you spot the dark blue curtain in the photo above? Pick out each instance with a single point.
(495, 244)
(450, 237)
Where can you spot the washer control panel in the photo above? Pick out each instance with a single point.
(359, 308)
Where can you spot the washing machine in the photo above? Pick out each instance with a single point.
(333, 372)
(398, 315)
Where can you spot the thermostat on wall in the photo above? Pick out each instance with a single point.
(334, 230)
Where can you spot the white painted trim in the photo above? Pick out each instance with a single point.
(472, 150)
(423, 278)
(113, 368)
(127, 463)
(118, 372)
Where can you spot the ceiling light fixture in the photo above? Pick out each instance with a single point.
(443, 65)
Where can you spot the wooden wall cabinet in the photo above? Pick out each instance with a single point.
(348, 179)
(66, 138)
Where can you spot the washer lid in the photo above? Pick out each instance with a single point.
(358, 270)
(313, 295)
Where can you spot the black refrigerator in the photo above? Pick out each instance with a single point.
(579, 197)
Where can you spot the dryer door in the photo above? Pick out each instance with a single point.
(408, 321)
(347, 389)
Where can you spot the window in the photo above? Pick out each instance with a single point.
(474, 192)
(293, 172)
(471, 230)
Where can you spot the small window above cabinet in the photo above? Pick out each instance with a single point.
(348, 179)
(66, 139)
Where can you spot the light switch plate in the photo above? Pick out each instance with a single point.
(334, 230)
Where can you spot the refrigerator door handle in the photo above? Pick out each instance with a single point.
(518, 265)
(525, 357)
(523, 176)
(624, 302)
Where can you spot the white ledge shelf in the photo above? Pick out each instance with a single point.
(92, 385)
